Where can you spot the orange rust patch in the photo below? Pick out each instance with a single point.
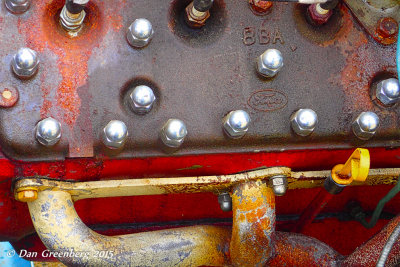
(43, 31)
(253, 224)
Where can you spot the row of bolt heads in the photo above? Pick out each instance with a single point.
(236, 123)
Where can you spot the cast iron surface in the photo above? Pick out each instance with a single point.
(198, 77)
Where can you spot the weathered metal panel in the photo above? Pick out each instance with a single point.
(198, 76)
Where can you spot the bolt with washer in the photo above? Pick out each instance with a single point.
(72, 15)
(236, 123)
(388, 91)
(115, 134)
(140, 33)
(317, 15)
(142, 99)
(365, 125)
(269, 63)
(197, 13)
(17, 6)
(303, 121)
(173, 133)
(225, 201)
(48, 132)
(279, 184)
(25, 63)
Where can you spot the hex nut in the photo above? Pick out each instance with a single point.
(142, 99)
(173, 133)
(225, 201)
(25, 63)
(71, 22)
(388, 91)
(317, 15)
(48, 132)
(279, 184)
(115, 134)
(236, 123)
(303, 121)
(260, 6)
(17, 6)
(273, 58)
(387, 27)
(195, 21)
(365, 125)
(133, 34)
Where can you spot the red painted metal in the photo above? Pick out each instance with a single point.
(315, 207)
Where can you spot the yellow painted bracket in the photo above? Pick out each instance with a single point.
(356, 168)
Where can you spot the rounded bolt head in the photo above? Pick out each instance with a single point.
(279, 184)
(140, 33)
(269, 63)
(142, 99)
(303, 121)
(225, 202)
(48, 132)
(17, 6)
(115, 134)
(25, 63)
(236, 123)
(365, 125)
(388, 91)
(173, 133)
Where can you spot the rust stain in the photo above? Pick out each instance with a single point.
(43, 32)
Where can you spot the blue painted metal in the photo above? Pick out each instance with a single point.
(9, 257)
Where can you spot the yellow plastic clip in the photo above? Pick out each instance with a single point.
(356, 168)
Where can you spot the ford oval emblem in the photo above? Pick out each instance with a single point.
(267, 100)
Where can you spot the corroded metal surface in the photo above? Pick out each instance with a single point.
(299, 250)
(253, 205)
(83, 81)
(368, 253)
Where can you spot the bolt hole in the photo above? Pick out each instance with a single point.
(318, 34)
(209, 33)
(51, 18)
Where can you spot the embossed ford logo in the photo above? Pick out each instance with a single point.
(267, 100)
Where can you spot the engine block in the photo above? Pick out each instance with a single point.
(197, 75)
